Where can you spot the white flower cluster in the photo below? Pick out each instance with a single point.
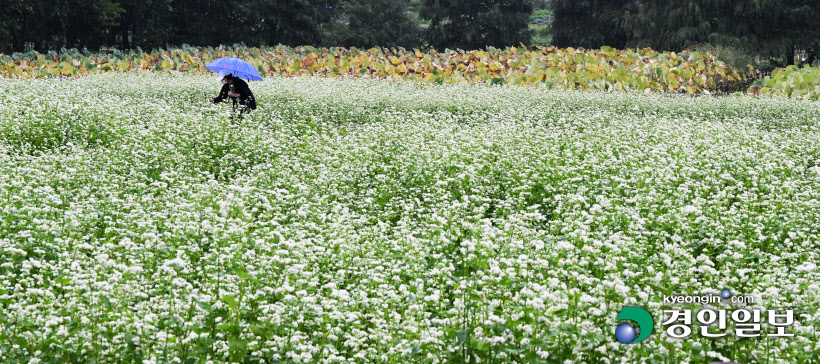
(370, 221)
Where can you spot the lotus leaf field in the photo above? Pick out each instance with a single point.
(605, 69)
(799, 83)
(374, 221)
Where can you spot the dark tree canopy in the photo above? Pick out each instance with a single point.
(590, 23)
(292, 22)
(666, 24)
(763, 27)
(57, 23)
(770, 27)
(773, 28)
(472, 24)
(54, 24)
(211, 22)
(376, 22)
(797, 27)
(146, 23)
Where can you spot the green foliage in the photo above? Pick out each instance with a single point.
(539, 5)
(542, 34)
(606, 68)
(362, 221)
(736, 57)
(467, 24)
(55, 24)
(291, 22)
(542, 14)
(51, 25)
(801, 83)
(384, 23)
(152, 23)
(770, 27)
(589, 23)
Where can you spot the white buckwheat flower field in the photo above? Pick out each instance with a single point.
(365, 221)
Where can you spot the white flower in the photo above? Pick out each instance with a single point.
(375, 215)
(807, 267)
(341, 294)
(689, 209)
(177, 262)
(85, 246)
(134, 270)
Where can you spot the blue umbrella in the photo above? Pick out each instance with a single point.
(236, 67)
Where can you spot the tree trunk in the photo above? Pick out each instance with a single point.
(137, 39)
(19, 40)
(811, 54)
(788, 56)
(125, 29)
(64, 35)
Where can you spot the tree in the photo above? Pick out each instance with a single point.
(292, 22)
(788, 25)
(17, 22)
(590, 23)
(213, 22)
(147, 23)
(376, 23)
(475, 24)
(57, 23)
(673, 25)
(86, 23)
(766, 27)
(541, 4)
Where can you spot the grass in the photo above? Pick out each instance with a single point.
(379, 222)
(541, 34)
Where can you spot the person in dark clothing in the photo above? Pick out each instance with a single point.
(235, 88)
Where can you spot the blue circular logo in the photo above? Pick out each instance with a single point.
(725, 293)
(625, 333)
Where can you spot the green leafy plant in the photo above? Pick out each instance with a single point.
(603, 69)
(792, 81)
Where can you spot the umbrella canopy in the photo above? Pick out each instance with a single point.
(236, 67)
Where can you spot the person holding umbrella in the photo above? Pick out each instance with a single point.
(231, 72)
(234, 88)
